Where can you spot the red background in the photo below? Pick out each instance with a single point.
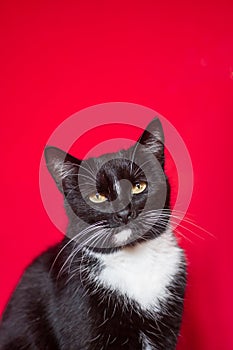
(58, 57)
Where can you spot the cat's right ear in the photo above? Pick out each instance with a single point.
(60, 164)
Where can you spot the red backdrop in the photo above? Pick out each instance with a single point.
(58, 57)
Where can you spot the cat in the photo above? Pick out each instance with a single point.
(117, 280)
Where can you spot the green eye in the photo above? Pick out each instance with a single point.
(97, 198)
(138, 187)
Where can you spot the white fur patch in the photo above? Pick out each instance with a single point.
(122, 236)
(143, 272)
(146, 344)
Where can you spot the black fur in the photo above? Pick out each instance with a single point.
(56, 305)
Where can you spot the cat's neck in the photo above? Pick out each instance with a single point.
(135, 272)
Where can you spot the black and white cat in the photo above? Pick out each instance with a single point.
(117, 280)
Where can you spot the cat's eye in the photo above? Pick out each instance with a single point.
(97, 198)
(139, 187)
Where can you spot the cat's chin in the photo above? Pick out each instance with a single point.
(121, 240)
(123, 236)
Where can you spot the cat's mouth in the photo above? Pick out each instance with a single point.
(106, 238)
(129, 234)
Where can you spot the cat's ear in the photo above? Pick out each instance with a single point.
(153, 139)
(60, 164)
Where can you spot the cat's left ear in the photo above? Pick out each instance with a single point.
(153, 139)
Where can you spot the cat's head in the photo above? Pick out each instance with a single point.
(116, 199)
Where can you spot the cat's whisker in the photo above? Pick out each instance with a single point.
(84, 231)
(150, 220)
(59, 253)
(90, 240)
(189, 220)
(173, 220)
(90, 170)
(108, 234)
(140, 168)
(77, 186)
(93, 180)
(162, 212)
(85, 184)
(62, 269)
(79, 166)
(181, 234)
(198, 227)
(80, 267)
(80, 244)
(81, 271)
(185, 228)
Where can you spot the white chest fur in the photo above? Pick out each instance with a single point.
(143, 272)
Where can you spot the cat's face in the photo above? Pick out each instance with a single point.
(116, 199)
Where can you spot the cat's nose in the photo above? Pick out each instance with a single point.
(123, 216)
